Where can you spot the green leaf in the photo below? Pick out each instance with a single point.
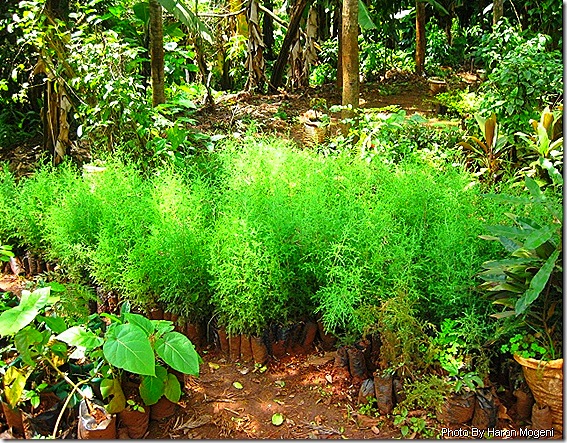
(14, 381)
(278, 419)
(24, 340)
(178, 352)
(539, 237)
(139, 320)
(237, 385)
(112, 387)
(536, 285)
(152, 388)
(534, 189)
(128, 347)
(172, 388)
(56, 324)
(142, 11)
(18, 317)
(79, 336)
(364, 19)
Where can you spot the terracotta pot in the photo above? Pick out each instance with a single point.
(174, 317)
(162, 409)
(545, 380)
(96, 424)
(136, 422)
(259, 350)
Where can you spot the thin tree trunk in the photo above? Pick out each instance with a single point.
(268, 30)
(350, 57)
(340, 54)
(156, 53)
(420, 37)
(279, 65)
(255, 58)
(498, 11)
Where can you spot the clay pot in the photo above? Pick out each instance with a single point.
(167, 315)
(545, 379)
(458, 408)
(174, 317)
(162, 409)
(136, 422)
(246, 349)
(96, 424)
(259, 350)
(234, 346)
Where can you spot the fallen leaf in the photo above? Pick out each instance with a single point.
(237, 385)
(277, 419)
(214, 366)
(329, 378)
(279, 383)
(375, 430)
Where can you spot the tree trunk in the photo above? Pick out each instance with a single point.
(255, 58)
(350, 62)
(420, 37)
(498, 11)
(279, 65)
(268, 29)
(156, 53)
(340, 54)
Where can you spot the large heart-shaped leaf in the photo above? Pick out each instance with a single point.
(178, 352)
(18, 317)
(139, 320)
(128, 347)
(79, 336)
(152, 388)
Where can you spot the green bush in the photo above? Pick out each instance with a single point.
(172, 261)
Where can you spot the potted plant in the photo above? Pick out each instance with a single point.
(528, 287)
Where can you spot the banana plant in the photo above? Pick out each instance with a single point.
(547, 144)
(488, 154)
(529, 284)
